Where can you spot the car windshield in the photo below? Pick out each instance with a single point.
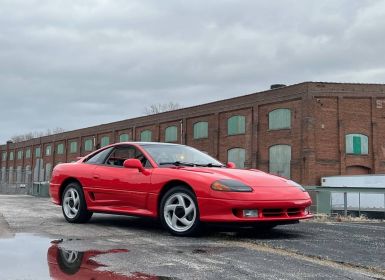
(179, 155)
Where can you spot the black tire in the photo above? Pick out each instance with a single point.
(69, 261)
(189, 197)
(82, 215)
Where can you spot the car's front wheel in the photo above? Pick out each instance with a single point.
(74, 205)
(179, 212)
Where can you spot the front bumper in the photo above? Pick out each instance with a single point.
(226, 210)
(54, 193)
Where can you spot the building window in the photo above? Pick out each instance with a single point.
(48, 169)
(28, 153)
(11, 155)
(28, 174)
(20, 154)
(19, 175)
(236, 125)
(279, 160)
(280, 119)
(4, 156)
(48, 150)
(105, 141)
(123, 137)
(237, 156)
(10, 175)
(201, 130)
(73, 147)
(37, 152)
(60, 149)
(357, 144)
(88, 145)
(146, 136)
(171, 134)
(3, 174)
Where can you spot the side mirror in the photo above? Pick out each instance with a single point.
(134, 163)
(230, 165)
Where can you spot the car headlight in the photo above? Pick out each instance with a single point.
(294, 184)
(228, 185)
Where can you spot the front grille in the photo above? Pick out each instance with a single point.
(294, 212)
(281, 212)
(273, 212)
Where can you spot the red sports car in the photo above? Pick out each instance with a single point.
(178, 184)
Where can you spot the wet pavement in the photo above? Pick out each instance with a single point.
(37, 243)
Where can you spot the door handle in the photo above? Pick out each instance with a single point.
(96, 176)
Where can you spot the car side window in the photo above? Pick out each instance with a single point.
(120, 154)
(100, 157)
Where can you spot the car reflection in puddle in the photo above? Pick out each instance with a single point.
(26, 256)
(70, 264)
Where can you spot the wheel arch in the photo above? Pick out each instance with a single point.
(64, 184)
(168, 186)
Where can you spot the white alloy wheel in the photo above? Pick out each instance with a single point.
(71, 203)
(180, 212)
(70, 256)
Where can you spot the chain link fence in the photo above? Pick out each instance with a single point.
(17, 181)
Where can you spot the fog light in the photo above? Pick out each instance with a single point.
(250, 213)
(307, 210)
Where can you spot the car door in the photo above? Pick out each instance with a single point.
(120, 187)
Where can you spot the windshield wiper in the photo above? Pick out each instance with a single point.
(181, 163)
(210, 165)
(178, 163)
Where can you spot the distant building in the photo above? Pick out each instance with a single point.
(302, 131)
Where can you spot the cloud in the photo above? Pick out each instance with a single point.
(74, 64)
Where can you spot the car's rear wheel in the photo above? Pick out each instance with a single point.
(74, 205)
(179, 212)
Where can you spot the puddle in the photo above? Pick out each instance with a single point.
(27, 256)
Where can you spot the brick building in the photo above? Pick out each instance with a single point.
(302, 131)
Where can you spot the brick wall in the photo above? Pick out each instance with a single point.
(322, 114)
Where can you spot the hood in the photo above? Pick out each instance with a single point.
(252, 177)
(265, 186)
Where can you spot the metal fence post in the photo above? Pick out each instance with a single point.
(359, 204)
(345, 203)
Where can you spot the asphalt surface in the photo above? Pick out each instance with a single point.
(120, 247)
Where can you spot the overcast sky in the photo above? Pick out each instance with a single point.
(73, 64)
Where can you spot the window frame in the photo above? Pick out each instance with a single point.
(146, 132)
(137, 153)
(126, 136)
(37, 152)
(239, 149)
(291, 158)
(238, 130)
(73, 144)
(103, 140)
(28, 153)
(86, 141)
(196, 130)
(20, 154)
(110, 149)
(60, 151)
(48, 150)
(270, 114)
(167, 135)
(361, 137)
